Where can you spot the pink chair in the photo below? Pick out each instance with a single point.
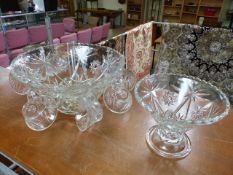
(2, 43)
(38, 34)
(84, 36)
(17, 39)
(96, 34)
(69, 38)
(58, 30)
(106, 28)
(56, 41)
(69, 25)
(4, 58)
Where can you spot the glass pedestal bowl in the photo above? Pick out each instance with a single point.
(68, 78)
(178, 103)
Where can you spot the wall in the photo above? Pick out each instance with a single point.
(114, 5)
(23, 5)
(39, 5)
(228, 4)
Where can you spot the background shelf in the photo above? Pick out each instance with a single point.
(135, 11)
(191, 10)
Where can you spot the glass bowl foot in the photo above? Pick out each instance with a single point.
(92, 115)
(117, 99)
(174, 149)
(37, 116)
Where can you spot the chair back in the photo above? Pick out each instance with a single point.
(96, 34)
(17, 38)
(84, 36)
(56, 41)
(38, 34)
(4, 60)
(2, 43)
(69, 38)
(69, 25)
(58, 30)
(106, 28)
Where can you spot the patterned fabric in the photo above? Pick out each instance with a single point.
(136, 44)
(139, 50)
(199, 51)
(117, 43)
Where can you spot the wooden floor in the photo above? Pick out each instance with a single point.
(112, 32)
(118, 30)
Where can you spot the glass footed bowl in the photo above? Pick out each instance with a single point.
(67, 77)
(178, 103)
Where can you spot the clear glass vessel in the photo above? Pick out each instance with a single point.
(178, 103)
(38, 116)
(117, 97)
(69, 78)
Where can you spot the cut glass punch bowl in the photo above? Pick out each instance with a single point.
(178, 103)
(65, 77)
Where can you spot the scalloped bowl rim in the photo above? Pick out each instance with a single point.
(191, 122)
(90, 80)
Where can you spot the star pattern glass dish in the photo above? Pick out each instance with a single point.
(178, 103)
(68, 78)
